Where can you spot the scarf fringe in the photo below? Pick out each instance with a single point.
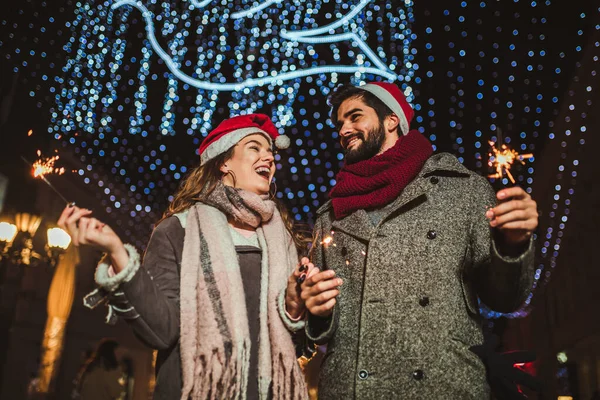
(219, 378)
(288, 380)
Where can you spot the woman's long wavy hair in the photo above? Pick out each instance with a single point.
(203, 179)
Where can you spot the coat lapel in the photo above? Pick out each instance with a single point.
(356, 224)
(413, 195)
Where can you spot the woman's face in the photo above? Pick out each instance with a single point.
(252, 164)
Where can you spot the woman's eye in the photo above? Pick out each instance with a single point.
(255, 148)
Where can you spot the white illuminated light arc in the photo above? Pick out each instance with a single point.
(300, 36)
(200, 4)
(310, 35)
(253, 10)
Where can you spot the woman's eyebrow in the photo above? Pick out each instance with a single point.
(260, 144)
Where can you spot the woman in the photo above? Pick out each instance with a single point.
(101, 377)
(210, 295)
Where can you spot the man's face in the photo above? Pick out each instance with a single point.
(361, 133)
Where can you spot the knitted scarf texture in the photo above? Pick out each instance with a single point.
(377, 181)
(215, 344)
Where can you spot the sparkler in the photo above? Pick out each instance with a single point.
(503, 158)
(327, 241)
(46, 166)
(42, 167)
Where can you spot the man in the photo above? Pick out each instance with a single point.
(416, 239)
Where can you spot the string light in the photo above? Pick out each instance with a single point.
(211, 60)
(118, 106)
(490, 66)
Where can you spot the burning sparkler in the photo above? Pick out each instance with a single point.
(316, 242)
(45, 166)
(327, 241)
(42, 167)
(503, 158)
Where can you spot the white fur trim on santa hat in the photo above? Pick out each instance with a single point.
(389, 101)
(227, 141)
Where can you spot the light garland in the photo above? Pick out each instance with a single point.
(122, 108)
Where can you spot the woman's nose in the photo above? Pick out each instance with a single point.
(268, 156)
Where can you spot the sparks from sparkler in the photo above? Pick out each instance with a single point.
(328, 240)
(38, 169)
(45, 166)
(503, 158)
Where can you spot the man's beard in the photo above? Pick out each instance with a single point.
(369, 147)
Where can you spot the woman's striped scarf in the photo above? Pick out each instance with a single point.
(215, 344)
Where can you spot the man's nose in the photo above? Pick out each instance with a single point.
(345, 130)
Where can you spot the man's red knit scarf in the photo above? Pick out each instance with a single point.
(376, 182)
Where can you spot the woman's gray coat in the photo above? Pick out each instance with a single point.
(407, 312)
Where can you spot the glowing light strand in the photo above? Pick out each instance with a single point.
(275, 78)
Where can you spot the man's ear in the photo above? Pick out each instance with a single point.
(391, 123)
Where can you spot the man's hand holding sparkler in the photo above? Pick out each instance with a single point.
(516, 215)
(310, 288)
(319, 290)
(86, 230)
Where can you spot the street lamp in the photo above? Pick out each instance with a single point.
(7, 235)
(16, 251)
(58, 242)
(16, 241)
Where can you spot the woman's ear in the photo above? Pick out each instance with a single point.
(224, 169)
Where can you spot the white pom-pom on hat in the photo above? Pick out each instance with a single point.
(282, 142)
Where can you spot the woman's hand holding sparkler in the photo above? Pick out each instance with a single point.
(294, 304)
(515, 216)
(86, 230)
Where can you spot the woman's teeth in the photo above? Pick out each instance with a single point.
(263, 171)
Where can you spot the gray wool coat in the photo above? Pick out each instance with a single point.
(407, 311)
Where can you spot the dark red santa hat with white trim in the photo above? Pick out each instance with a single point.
(391, 95)
(229, 132)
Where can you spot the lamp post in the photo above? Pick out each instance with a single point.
(58, 242)
(60, 301)
(16, 242)
(17, 254)
(7, 235)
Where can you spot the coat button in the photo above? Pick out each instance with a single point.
(418, 374)
(435, 180)
(424, 301)
(344, 251)
(431, 235)
(363, 374)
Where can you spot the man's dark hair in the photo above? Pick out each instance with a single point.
(345, 92)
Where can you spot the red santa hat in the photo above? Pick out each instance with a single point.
(391, 95)
(234, 129)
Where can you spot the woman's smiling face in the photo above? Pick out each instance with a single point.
(252, 164)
